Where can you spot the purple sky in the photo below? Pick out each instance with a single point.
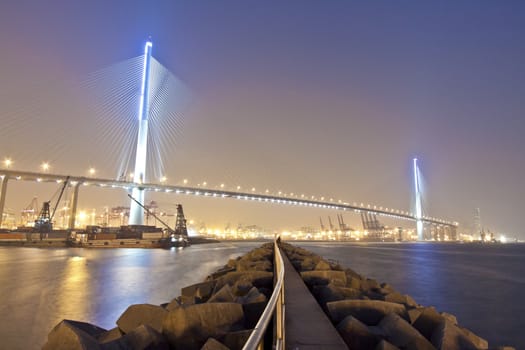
(328, 98)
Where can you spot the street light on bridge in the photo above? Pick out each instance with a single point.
(92, 171)
(45, 166)
(8, 162)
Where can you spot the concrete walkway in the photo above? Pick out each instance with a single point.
(307, 326)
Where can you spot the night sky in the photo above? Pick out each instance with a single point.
(325, 98)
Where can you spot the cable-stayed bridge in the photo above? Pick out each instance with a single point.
(150, 105)
(76, 181)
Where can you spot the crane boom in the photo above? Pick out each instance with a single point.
(151, 213)
(59, 198)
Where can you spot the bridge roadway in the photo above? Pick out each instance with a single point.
(206, 192)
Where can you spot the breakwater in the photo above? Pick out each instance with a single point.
(310, 263)
(219, 312)
(373, 315)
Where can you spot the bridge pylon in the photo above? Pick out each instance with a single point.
(136, 213)
(419, 209)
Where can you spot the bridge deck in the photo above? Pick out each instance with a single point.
(307, 326)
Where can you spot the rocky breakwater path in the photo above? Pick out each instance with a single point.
(218, 313)
(370, 315)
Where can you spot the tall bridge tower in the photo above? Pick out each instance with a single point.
(419, 209)
(136, 213)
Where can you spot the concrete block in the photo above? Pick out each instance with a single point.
(413, 314)
(395, 297)
(224, 295)
(139, 314)
(143, 337)
(400, 333)
(450, 317)
(174, 304)
(213, 344)
(73, 335)
(448, 336)
(352, 273)
(201, 290)
(312, 278)
(370, 312)
(258, 279)
(330, 292)
(241, 288)
(110, 335)
(356, 334)
(236, 340)
(384, 345)
(189, 327)
(476, 340)
(410, 302)
(353, 282)
(253, 296)
(428, 321)
(322, 265)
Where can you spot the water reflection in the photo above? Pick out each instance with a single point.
(73, 290)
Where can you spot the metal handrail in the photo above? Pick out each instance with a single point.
(275, 307)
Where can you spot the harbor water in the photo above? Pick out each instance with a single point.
(481, 284)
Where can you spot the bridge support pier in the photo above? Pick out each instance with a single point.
(74, 202)
(3, 194)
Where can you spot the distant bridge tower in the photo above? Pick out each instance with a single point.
(419, 211)
(136, 213)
